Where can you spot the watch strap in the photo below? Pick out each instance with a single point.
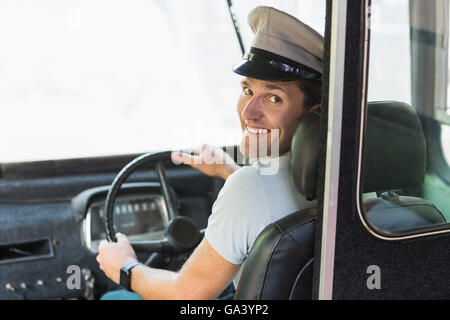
(125, 274)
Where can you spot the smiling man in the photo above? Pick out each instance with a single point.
(281, 84)
(266, 108)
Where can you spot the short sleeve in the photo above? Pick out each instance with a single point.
(239, 213)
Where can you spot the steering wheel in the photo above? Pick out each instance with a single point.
(181, 234)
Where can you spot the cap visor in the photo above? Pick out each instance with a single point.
(259, 71)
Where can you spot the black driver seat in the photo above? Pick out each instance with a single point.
(280, 262)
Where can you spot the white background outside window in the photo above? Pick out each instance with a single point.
(82, 78)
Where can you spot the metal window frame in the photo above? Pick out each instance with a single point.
(335, 104)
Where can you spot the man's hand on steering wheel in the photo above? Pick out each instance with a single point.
(114, 255)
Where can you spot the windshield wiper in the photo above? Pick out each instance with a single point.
(235, 24)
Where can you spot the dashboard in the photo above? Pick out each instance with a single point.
(140, 217)
(45, 231)
(140, 213)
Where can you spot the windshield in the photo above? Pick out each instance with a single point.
(83, 78)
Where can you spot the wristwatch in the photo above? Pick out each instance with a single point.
(125, 274)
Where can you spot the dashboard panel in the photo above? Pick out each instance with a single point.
(139, 217)
(54, 207)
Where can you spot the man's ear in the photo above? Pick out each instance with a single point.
(315, 107)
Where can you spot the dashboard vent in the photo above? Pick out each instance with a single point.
(26, 250)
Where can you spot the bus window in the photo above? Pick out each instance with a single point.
(405, 172)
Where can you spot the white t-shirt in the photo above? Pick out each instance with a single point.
(252, 198)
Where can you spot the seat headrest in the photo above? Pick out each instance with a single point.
(304, 154)
(394, 147)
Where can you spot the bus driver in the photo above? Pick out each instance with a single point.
(282, 76)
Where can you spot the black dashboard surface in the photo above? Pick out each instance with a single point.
(40, 231)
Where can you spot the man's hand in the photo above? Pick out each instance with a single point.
(112, 256)
(210, 160)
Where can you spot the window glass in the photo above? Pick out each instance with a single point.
(83, 78)
(405, 172)
(389, 50)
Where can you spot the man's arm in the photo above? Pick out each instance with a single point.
(204, 275)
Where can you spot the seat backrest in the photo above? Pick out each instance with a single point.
(279, 265)
(395, 162)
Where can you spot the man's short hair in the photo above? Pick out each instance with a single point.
(312, 91)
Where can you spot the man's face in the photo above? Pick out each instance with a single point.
(266, 109)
